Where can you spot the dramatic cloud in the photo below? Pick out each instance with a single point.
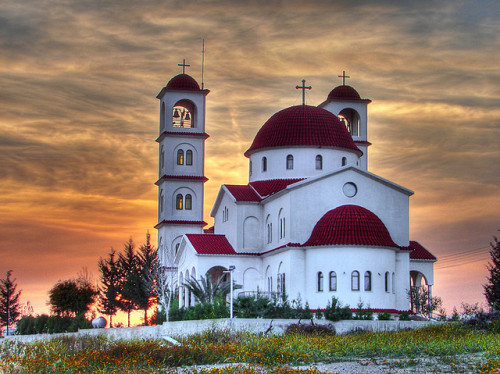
(78, 115)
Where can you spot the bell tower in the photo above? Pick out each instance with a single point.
(181, 163)
(345, 102)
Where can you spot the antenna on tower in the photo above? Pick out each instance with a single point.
(202, 62)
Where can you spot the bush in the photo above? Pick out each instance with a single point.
(26, 326)
(51, 325)
(310, 329)
(363, 314)
(384, 316)
(335, 312)
(404, 316)
(319, 313)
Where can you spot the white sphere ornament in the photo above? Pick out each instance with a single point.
(99, 323)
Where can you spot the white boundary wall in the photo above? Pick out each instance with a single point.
(186, 328)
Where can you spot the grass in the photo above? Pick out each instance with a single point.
(448, 344)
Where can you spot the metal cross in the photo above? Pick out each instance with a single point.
(343, 76)
(303, 88)
(184, 65)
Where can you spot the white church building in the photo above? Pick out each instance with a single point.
(311, 222)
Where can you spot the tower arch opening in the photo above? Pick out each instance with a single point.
(184, 114)
(350, 118)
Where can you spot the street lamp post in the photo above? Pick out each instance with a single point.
(230, 271)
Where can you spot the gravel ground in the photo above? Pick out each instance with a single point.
(459, 364)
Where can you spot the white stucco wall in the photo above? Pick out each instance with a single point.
(304, 162)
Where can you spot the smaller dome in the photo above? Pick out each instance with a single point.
(183, 82)
(344, 93)
(350, 225)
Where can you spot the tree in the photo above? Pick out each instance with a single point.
(109, 291)
(422, 303)
(130, 279)
(166, 287)
(146, 293)
(492, 288)
(72, 297)
(205, 291)
(10, 308)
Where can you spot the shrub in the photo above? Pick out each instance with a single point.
(384, 316)
(319, 313)
(363, 314)
(310, 329)
(26, 326)
(334, 311)
(404, 316)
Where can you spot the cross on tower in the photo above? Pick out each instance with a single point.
(184, 65)
(343, 76)
(303, 88)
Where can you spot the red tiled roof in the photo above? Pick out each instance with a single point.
(179, 222)
(188, 177)
(269, 187)
(211, 244)
(210, 230)
(183, 82)
(302, 125)
(362, 142)
(344, 93)
(350, 225)
(243, 192)
(418, 252)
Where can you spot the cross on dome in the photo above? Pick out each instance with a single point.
(184, 65)
(303, 88)
(343, 76)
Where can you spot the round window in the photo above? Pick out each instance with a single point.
(350, 189)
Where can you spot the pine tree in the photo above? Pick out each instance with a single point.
(130, 279)
(148, 260)
(109, 291)
(10, 308)
(492, 288)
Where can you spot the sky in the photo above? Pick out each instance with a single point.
(79, 117)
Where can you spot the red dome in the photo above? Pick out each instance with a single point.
(350, 225)
(183, 82)
(344, 93)
(303, 125)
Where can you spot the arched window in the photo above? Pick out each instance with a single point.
(289, 162)
(264, 164)
(319, 162)
(320, 281)
(393, 283)
(161, 200)
(355, 280)
(162, 116)
(333, 281)
(189, 157)
(180, 157)
(177, 248)
(368, 281)
(188, 202)
(178, 202)
(250, 168)
(344, 161)
(387, 281)
(162, 158)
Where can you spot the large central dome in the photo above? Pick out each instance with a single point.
(303, 125)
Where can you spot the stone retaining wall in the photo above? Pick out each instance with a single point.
(186, 328)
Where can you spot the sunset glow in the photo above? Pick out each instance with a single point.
(79, 117)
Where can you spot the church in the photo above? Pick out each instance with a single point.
(311, 222)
